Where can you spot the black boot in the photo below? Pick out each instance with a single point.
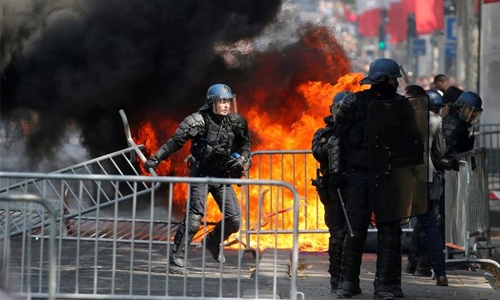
(213, 240)
(334, 284)
(424, 268)
(387, 254)
(210, 243)
(336, 244)
(396, 278)
(411, 266)
(348, 289)
(182, 239)
(382, 288)
(352, 256)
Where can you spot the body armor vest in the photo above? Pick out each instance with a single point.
(213, 147)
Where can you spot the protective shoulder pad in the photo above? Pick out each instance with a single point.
(193, 124)
(348, 108)
(196, 119)
(237, 120)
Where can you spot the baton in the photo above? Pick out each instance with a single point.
(131, 142)
(345, 213)
(405, 76)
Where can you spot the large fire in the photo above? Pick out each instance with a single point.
(283, 112)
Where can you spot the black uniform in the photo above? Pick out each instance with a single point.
(327, 192)
(214, 138)
(352, 127)
(456, 134)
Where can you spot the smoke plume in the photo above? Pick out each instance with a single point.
(82, 61)
(69, 66)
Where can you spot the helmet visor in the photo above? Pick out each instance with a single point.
(473, 114)
(225, 106)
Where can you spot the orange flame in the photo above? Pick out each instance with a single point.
(284, 112)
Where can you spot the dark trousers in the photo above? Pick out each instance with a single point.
(358, 211)
(433, 239)
(225, 197)
(335, 221)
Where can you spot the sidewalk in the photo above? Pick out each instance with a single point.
(313, 281)
(100, 269)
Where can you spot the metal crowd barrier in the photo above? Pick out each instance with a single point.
(96, 263)
(28, 265)
(467, 209)
(84, 197)
(488, 137)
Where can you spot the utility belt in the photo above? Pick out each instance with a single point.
(197, 170)
(213, 168)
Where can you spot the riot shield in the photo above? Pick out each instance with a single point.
(399, 167)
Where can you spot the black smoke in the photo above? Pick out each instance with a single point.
(73, 61)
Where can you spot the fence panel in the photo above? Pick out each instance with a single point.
(488, 137)
(28, 265)
(59, 191)
(467, 206)
(105, 259)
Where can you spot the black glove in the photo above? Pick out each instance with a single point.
(236, 162)
(151, 163)
(236, 166)
(336, 180)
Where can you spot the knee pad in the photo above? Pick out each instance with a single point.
(194, 223)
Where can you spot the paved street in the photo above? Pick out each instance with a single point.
(98, 273)
(463, 284)
(314, 282)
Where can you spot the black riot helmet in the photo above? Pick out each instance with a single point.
(382, 70)
(337, 101)
(471, 106)
(470, 99)
(435, 100)
(339, 97)
(217, 92)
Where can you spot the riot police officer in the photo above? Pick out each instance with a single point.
(458, 135)
(323, 143)
(456, 126)
(352, 129)
(220, 147)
